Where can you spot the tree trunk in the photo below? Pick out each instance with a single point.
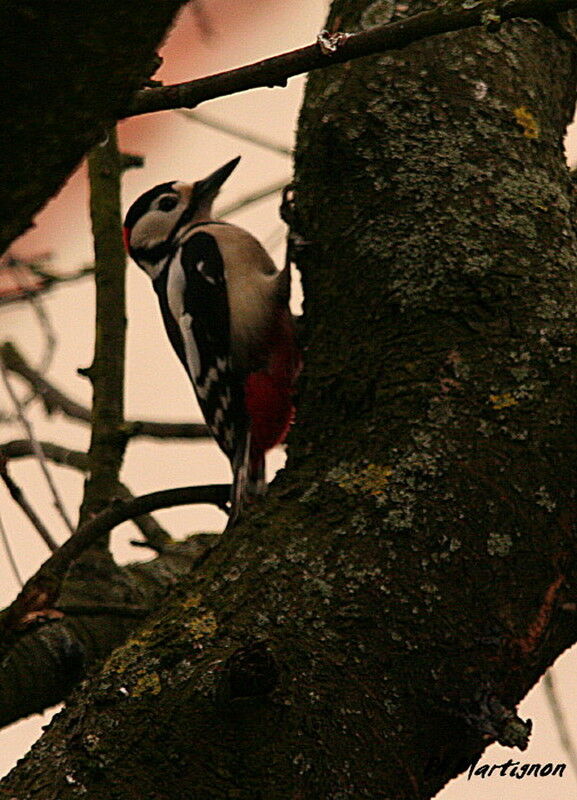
(371, 627)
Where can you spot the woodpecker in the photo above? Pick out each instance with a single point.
(225, 307)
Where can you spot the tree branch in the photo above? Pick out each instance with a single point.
(38, 452)
(41, 591)
(155, 535)
(17, 495)
(54, 400)
(108, 441)
(64, 456)
(338, 48)
(9, 554)
(43, 666)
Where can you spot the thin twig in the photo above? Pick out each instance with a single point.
(64, 456)
(49, 347)
(37, 447)
(252, 197)
(337, 48)
(155, 535)
(559, 718)
(48, 331)
(236, 131)
(48, 278)
(53, 279)
(10, 554)
(42, 590)
(17, 495)
(54, 400)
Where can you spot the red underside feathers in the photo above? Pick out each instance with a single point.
(268, 393)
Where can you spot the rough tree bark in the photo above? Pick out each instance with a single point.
(372, 626)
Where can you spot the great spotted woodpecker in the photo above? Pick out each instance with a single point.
(225, 309)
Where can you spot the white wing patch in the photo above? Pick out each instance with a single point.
(208, 278)
(190, 348)
(175, 286)
(214, 375)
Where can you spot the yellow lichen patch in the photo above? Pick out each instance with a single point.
(124, 656)
(499, 401)
(191, 601)
(527, 122)
(148, 683)
(370, 478)
(202, 625)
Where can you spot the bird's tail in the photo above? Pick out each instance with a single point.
(256, 486)
(248, 478)
(240, 478)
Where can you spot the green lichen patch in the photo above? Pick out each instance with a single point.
(369, 479)
(527, 122)
(147, 683)
(202, 625)
(504, 400)
(499, 544)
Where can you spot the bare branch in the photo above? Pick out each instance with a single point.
(64, 456)
(41, 591)
(237, 132)
(46, 279)
(34, 298)
(168, 430)
(52, 279)
(155, 535)
(40, 668)
(52, 397)
(37, 449)
(48, 331)
(18, 496)
(54, 400)
(10, 554)
(337, 48)
(559, 717)
(106, 373)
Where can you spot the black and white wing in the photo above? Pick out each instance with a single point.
(197, 320)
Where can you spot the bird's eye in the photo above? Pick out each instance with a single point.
(167, 203)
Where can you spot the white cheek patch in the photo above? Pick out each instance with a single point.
(154, 227)
(150, 230)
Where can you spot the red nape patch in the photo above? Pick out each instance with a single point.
(270, 409)
(126, 238)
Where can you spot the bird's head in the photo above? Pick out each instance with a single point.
(156, 222)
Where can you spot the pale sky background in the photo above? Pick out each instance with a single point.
(156, 386)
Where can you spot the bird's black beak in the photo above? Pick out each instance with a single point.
(208, 187)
